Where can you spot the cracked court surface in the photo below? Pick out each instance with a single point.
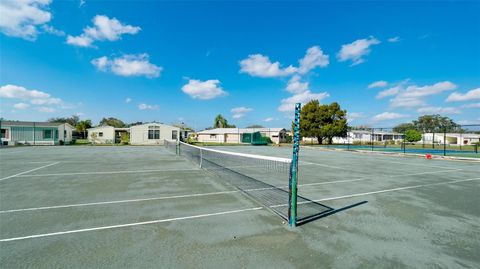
(143, 207)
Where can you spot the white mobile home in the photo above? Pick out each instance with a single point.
(453, 139)
(363, 136)
(153, 134)
(234, 135)
(106, 134)
(35, 133)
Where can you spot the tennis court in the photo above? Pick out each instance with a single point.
(144, 207)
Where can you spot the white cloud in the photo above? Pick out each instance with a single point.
(22, 18)
(81, 3)
(128, 65)
(356, 50)
(388, 116)
(313, 58)
(389, 92)
(33, 96)
(474, 105)
(240, 112)
(128, 100)
(21, 106)
(296, 86)
(144, 106)
(258, 65)
(413, 95)
(468, 96)
(269, 119)
(378, 84)
(203, 90)
(394, 39)
(52, 30)
(352, 116)
(103, 28)
(46, 109)
(80, 41)
(288, 104)
(438, 110)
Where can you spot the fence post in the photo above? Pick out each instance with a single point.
(445, 142)
(371, 137)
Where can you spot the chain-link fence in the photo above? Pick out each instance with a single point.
(461, 141)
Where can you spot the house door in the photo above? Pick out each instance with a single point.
(225, 138)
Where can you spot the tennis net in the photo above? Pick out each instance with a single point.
(254, 175)
(171, 145)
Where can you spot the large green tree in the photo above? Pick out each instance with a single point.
(255, 126)
(221, 122)
(112, 122)
(73, 120)
(434, 123)
(323, 121)
(82, 127)
(403, 127)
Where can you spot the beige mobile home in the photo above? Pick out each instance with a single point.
(153, 134)
(105, 134)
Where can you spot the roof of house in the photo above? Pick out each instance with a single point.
(109, 127)
(240, 130)
(154, 123)
(33, 123)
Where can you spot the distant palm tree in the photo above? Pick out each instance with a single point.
(83, 125)
(221, 122)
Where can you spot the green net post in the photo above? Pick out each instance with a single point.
(292, 208)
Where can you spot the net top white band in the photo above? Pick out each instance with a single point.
(246, 155)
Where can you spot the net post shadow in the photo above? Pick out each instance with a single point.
(326, 213)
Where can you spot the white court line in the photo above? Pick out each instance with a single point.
(112, 172)
(397, 189)
(35, 169)
(224, 212)
(130, 224)
(200, 194)
(324, 165)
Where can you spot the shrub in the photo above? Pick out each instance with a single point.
(413, 135)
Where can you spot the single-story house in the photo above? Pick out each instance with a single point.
(106, 134)
(235, 135)
(153, 133)
(35, 133)
(363, 136)
(453, 139)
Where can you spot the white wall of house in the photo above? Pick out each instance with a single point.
(152, 134)
(101, 135)
(234, 135)
(453, 139)
(65, 132)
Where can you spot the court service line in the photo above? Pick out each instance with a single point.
(199, 194)
(222, 213)
(396, 189)
(35, 169)
(324, 165)
(112, 172)
(131, 224)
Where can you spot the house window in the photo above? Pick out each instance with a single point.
(5, 133)
(213, 136)
(47, 134)
(154, 132)
(100, 134)
(174, 135)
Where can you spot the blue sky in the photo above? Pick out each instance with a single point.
(384, 62)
